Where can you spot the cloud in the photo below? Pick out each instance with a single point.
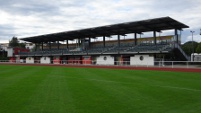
(196, 38)
(23, 18)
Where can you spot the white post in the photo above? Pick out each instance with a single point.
(172, 64)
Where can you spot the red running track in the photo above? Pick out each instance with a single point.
(197, 70)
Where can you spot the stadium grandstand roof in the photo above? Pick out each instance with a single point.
(157, 24)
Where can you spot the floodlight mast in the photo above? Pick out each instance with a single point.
(192, 45)
(200, 31)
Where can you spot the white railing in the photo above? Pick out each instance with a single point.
(177, 64)
(181, 50)
(170, 64)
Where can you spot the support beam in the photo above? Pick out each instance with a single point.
(154, 33)
(50, 45)
(118, 40)
(57, 44)
(135, 39)
(83, 46)
(103, 41)
(79, 42)
(89, 42)
(176, 36)
(67, 44)
(42, 46)
(36, 46)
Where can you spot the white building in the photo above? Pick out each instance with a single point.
(4, 46)
(105, 60)
(142, 60)
(197, 57)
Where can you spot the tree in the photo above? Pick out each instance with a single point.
(189, 46)
(22, 45)
(198, 49)
(3, 55)
(15, 43)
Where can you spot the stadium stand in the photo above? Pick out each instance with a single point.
(149, 48)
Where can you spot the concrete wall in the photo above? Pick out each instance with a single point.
(105, 60)
(143, 60)
(29, 60)
(45, 60)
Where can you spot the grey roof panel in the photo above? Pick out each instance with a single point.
(157, 24)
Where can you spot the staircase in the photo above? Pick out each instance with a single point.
(182, 52)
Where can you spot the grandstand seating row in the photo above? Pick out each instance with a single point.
(127, 48)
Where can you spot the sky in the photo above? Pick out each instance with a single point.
(25, 18)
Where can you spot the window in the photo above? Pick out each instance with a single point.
(141, 58)
(104, 58)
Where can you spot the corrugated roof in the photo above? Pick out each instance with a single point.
(157, 24)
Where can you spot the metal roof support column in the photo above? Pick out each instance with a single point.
(50, 45)
(57, 44)
(135, 39)
(89, 42)
(154, 37)
(78, 42)
(36, 47)
(67, 44)
(118, 40)
(83, 45)
(103, 41)
(176, 36)
(42, 45)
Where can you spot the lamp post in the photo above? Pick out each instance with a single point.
(200, 31)
(192, 45)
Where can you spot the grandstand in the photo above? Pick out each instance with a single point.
(132, 51)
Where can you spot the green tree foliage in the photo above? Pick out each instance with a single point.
(198, 49)
(22, 45)
(189, 46)
(14, 42)
(3, 55)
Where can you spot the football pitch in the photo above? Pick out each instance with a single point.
(48, 89)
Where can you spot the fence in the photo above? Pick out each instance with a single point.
(170, 64)
(183, 64)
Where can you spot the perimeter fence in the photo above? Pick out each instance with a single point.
(170, 64)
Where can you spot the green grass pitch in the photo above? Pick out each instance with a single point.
(40, 89)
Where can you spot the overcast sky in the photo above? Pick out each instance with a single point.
(23, 18)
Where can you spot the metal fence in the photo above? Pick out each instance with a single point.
(183, 64)
(170, 64)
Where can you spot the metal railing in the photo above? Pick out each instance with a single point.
(181, 50)
(170, 64)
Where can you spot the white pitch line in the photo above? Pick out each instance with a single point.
(101, 80)
(181, 88)
(172, 87)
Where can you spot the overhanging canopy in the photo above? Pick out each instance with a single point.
(157, 24)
